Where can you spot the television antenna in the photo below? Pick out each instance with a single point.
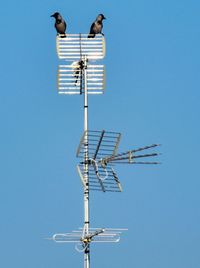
(102, 156)
(97, 149)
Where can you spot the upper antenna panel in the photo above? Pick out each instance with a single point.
(75, 46)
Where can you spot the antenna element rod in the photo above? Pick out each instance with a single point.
(86, 168)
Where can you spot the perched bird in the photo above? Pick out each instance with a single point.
(60, 24)
(96, 26)
(77, 67)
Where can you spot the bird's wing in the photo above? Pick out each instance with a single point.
(65, 25)
(92, 28)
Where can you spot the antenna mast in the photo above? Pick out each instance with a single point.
(97, 149)
(86, 173)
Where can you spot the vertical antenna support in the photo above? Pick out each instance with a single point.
(86, 175)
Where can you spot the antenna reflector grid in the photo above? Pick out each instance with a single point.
(103, 179)
(70, 78)
(74, 46)
(100, 144)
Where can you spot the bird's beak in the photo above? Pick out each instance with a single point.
(52, 15)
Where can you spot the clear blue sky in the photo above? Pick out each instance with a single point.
(152, 95)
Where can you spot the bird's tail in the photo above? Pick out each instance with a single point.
(76, 71)
(76, 78)
(91, 35)
(63, 35)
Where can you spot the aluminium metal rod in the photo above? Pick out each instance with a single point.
(86, 168)
(132, 163)
(133, 151)
(132, 157)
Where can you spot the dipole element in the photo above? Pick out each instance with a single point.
(86, 172)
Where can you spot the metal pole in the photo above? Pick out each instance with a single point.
(86, 175)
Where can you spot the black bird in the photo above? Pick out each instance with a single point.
(96, 26)
(60, 24)
(77, 69)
